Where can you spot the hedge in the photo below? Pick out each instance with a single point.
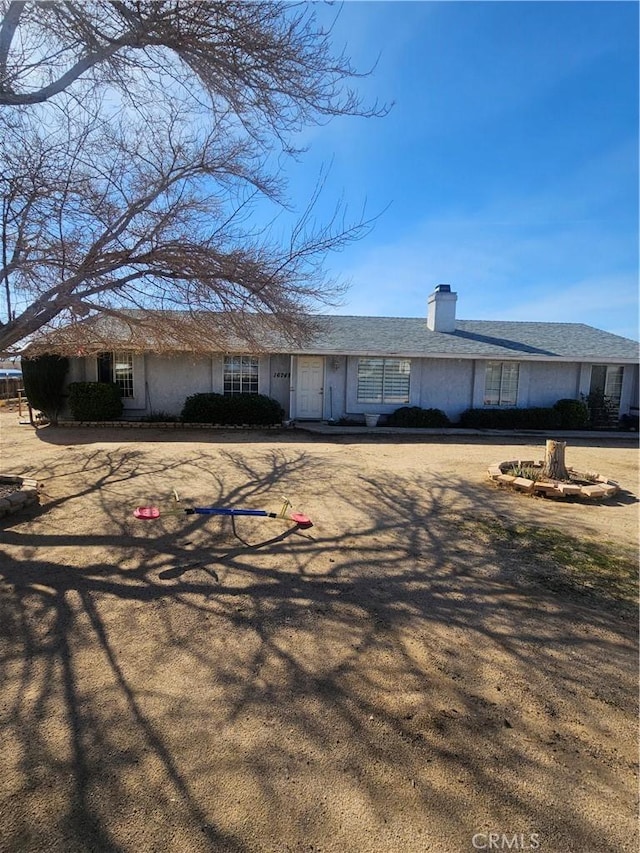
(574, 414)
(414, 416)
(233, 410)
(95, 401)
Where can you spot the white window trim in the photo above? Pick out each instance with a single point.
(383, 398)
(256, 363)
(127, 387)
(503, 401)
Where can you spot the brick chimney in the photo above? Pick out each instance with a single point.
(441, 309)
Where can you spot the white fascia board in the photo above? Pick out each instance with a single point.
(587, 359)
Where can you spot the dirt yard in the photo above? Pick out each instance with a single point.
(416, 672)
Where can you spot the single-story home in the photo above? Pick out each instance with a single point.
(352, 366)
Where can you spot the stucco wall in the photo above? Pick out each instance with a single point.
(77, 371)
(446, 384)
(276, 371)
(629, 396)
(335, 387)
(171, 379)
(549, 383)
(454, 385)
(435, 383)
(162, 383)
(354, 407)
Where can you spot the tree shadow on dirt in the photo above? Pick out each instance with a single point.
(399, 673)
(81, 436)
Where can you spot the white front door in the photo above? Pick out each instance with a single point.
(309, 387)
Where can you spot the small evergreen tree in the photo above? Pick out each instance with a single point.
(44, 378)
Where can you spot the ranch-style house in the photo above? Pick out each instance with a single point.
(359, 365)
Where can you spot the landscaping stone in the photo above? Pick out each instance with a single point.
(524, 484)
(567, 489)
(593, 491)
(544, 487)
(600, 487)
(18, 493)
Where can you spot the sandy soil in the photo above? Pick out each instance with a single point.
(398, 678)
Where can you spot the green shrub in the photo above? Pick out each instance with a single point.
(95, 401)
(574, 414)
(478, 419)
(43, 379)
(234, 410)
(414, 416)
(536, 417)
(203, 409)
(529, 472)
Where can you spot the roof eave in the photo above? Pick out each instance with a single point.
(516, 356)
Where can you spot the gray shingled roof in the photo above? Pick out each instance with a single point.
(410, 336)
(401, 336)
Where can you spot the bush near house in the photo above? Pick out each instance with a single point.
(574, 414)
(534, 418)
(43, 379)
(414, 416)
(234, 410)
(95, 401)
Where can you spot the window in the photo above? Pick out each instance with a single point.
(383, 380)
(607, 379)
(117, 367)
(240, 374)
(501, 383)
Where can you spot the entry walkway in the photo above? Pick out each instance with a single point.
(323, 428)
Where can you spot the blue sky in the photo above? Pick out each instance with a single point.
(508, 166)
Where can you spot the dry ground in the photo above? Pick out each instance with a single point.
(412, 673)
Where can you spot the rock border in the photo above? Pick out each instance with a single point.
(167, 425)
(601, 487)
(27, 493)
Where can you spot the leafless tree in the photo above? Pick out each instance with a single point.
(134, 140)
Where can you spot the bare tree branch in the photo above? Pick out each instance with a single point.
(89, 221)
(134, 145)
(261, 58)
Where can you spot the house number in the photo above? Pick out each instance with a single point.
(281, 375)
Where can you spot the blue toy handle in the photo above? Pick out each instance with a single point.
(214, 510)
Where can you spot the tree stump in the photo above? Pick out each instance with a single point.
(554, 466)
